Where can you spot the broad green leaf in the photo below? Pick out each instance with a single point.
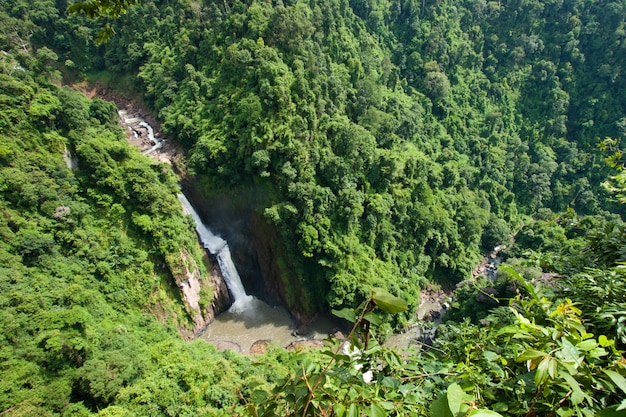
(258, 396)
(569, 353)
(541, 374)
(565, 412)
(597, 353)
(617, 379)
(484, 413)
(345, 313)
(577, 393)
(454, 394)
(530, 354)
(439, 408)
(390, 382)
(339, 409)
(373, 318)
(387, 302)
(377, 411)
(552, 368)
(500, 407)
(354, 410)
(587, 345)
(388, 405)
(622, 406)
(604, 341)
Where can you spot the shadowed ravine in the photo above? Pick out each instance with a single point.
(249, 319)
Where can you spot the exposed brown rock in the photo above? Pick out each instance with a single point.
(305, 344)
(259, 347)
(221, 297)
(226, 345)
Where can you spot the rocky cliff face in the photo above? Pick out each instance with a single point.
(278, 285)
(221, 299)
(255, 247)
(194, 287)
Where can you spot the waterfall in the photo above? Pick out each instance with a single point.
(219, 247)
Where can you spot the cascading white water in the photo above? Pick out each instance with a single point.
(219, 247)
(158, 143)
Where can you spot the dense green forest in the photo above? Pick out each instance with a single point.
(393, 145)
(396, 139)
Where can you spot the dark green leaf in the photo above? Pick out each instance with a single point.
(612, 412)
(346, 314)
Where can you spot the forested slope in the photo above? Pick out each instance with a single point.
(393, 137)
(93, 244)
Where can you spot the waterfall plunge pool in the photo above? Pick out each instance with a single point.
(249, 319)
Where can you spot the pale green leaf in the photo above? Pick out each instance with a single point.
(377, 411)
(455, 394)
(605, 342)
(339, 409)
(388, 405)
(353, 411)
(587, 345)
(388, 302)
(617, 379)
(569, 353)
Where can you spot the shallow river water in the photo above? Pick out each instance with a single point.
(260, 322)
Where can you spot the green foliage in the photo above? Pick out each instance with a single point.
(496, 232)
(78, 273)
(352, 377)
(394, 142)
(104, 10)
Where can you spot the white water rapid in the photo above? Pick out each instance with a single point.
(134, 124)
(218, 247)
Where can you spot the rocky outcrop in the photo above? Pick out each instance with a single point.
(221, 299)
(192, 283)
(279, 286)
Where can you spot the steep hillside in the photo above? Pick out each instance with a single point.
(392, 140)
